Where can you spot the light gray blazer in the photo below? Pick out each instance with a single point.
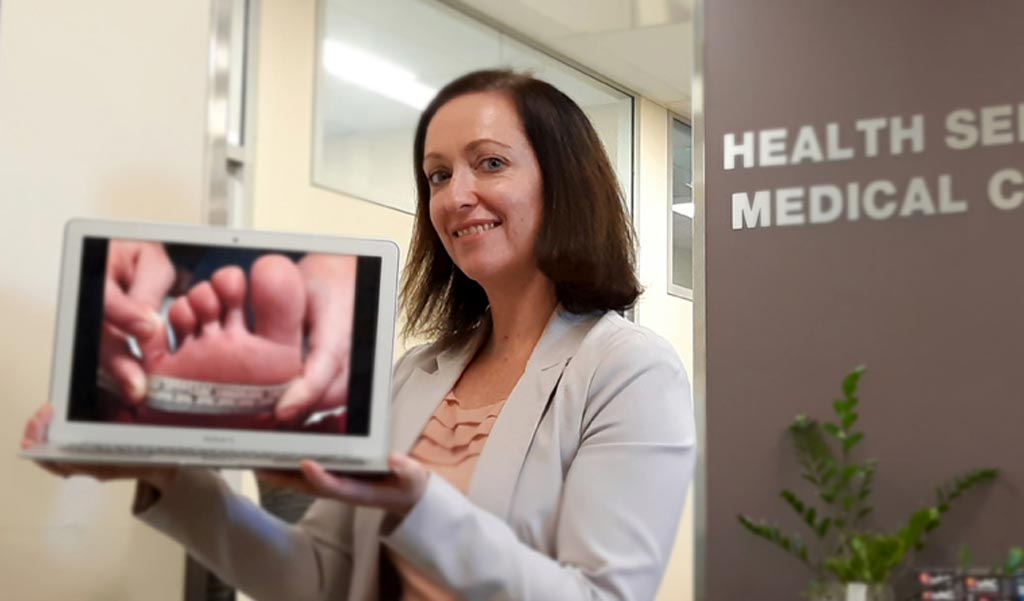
(577, 494)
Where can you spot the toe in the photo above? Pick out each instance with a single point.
(183, 319)
(206, 306)
(229, 284)
(278, 300)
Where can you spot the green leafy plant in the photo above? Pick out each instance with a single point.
(965, 558)
(842, 485)
(1014, 562)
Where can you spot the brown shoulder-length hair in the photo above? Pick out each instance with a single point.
(585, 245)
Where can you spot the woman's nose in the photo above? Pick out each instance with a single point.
(463, 191)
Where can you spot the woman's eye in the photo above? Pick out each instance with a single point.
(492, 163)
(437, 178)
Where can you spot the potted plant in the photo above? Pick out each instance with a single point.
(854, 563)
(1008, 578)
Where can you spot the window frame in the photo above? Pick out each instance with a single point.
(673, 288)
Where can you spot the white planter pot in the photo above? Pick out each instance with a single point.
(854, 591)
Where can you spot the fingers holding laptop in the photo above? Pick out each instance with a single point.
(36, 432)
(396, 493)
(330, 293)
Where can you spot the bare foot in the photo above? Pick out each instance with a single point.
(215, 345)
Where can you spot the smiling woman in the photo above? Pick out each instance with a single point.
(494, 143)
(542, 444)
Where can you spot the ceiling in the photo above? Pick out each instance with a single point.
(644, 45)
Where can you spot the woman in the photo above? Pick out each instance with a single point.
(550, 441)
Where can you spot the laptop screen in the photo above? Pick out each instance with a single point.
(224, 337)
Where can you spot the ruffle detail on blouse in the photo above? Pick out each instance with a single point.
(454, 434)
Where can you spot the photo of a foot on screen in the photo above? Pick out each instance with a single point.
(225, 338)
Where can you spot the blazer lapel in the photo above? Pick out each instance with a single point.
(497, 470)
(419, 397)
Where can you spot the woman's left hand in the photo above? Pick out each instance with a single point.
(395, 493)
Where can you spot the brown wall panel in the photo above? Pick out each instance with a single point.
(933, 304)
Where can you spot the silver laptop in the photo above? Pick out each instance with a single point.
(255, 350)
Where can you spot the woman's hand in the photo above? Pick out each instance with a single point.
(36, 432)
(396, 493)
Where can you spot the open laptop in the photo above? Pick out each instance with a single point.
(238, 320)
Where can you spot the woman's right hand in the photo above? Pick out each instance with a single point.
(36, 432)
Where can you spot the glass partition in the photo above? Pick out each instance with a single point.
(380, 63)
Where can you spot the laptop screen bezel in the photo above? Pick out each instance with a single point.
(372, 445)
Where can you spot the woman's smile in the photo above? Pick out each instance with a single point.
(474, 230)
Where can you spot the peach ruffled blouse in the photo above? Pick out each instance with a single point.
(449, 446)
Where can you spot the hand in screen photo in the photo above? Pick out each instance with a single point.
(330, 282)
(138, 278)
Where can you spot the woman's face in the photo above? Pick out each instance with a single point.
(485, 188)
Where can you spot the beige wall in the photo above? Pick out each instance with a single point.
(670, 316)
(285, 199)
(101, 114)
